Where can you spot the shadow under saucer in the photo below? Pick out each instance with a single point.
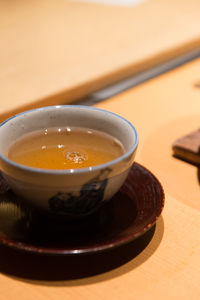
(58, 270)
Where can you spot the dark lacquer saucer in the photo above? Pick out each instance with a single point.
(130, 213)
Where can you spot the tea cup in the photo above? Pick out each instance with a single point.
(69, 192)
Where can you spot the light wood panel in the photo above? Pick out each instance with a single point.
(163, 110)
(168, 268)
(57, 51)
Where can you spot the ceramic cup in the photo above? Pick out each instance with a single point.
(71, 192)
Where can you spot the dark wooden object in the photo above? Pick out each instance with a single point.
(188, 147)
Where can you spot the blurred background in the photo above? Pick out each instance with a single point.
(64, 51)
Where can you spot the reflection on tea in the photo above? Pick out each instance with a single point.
(65, 148)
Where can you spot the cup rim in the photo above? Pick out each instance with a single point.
(78, 170)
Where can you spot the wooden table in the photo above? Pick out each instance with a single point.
(168, 266)
(59, 51)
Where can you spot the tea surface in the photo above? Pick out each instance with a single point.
(65, 148)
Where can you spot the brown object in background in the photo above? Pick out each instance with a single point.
(188, 147)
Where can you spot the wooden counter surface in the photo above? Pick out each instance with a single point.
(58, 51)
(162, 109)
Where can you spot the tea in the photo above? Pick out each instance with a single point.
(65, 148)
